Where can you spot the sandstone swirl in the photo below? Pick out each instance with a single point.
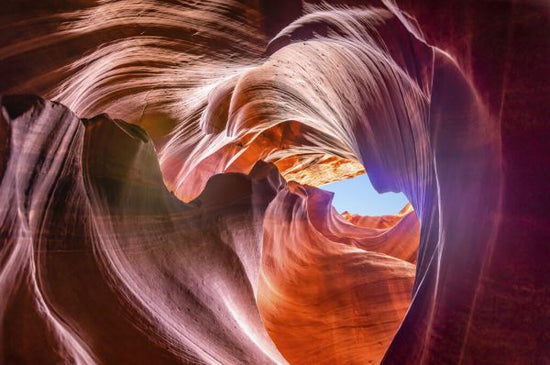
(98, 252)
(194, 232)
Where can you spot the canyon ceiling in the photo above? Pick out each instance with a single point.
(160, 164)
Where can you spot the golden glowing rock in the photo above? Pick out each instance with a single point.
(202, 238)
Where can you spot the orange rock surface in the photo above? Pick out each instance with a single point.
(163, 206)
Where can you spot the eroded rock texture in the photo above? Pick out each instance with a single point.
(193, 231)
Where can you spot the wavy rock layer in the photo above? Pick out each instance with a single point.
(101, 253)
(102, 261)
(97, 235)
(329, 290)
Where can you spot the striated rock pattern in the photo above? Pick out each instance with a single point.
(101, 261)
(98, 252)
(329, 289)
(193, 231)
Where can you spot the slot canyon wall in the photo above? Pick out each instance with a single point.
(160, 164)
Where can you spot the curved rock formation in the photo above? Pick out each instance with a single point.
(186, 243)
(112, 267)
(329, 290)
(96, 234)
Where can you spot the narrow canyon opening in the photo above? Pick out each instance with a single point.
(357, 196)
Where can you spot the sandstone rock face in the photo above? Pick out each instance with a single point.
(185, 225)
(98, 252)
